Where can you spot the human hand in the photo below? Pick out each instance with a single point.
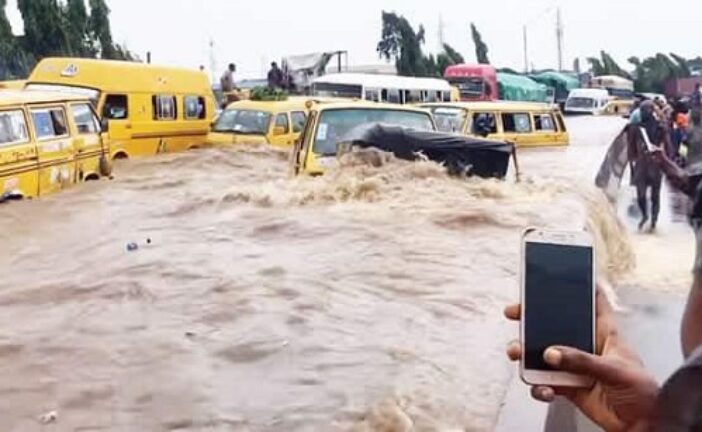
(624, 395)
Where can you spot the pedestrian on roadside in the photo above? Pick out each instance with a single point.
(696, 97)
(626, 397)
(227, 80)
(275, 77)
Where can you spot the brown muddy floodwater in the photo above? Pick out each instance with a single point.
(367, 300)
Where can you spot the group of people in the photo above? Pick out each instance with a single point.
(675, 129)
(277, 78)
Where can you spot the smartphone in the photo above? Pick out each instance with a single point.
(558, 302)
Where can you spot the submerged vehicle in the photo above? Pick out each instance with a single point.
(146, 109)
(332, 123)
(462, 156)
(525, 124)
(278, 123)
(587, 101)
(520, 88)
(48, 142)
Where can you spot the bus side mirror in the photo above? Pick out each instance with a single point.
(105, 125)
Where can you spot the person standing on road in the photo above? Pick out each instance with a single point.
(646, 174)
(275, 77)
(227, 80)
(626, 397)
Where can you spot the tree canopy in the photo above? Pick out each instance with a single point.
(481, 49)
(56, 28)
(401, 43)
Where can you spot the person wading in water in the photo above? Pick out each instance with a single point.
(645, 173)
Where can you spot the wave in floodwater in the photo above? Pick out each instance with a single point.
(365, 300)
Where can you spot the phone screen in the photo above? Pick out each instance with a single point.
(558, 301)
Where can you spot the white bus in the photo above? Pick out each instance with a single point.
(587, 101)
(382, 88)
(616, 86)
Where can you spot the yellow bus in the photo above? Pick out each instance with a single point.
(48, 141)
(12, 85)
(146, 109)
(526, 124)
(278, 123)
(329, 122)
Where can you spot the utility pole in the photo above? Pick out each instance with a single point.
(213, 62)
(442, 40)
(526, 50)
(559, 37)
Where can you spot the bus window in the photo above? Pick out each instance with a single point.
(516, 122)
(194, 107)
(13, 128)
(372, 95)
(446, 96)
(164, 107)
(282, 121)
(49, 123)
(116, 107)
(484, 124)
(432, 96)
(413, 96)
(85, 120)
(544, 123)
(298, 120)
(392, 96)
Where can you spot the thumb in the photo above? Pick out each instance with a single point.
(577, 362)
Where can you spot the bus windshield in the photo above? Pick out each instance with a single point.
(243, 122)
(91, 94)
(469, 87)
(336, 126)
(581, 102)
(449, 119)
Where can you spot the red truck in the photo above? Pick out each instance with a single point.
(474, 82)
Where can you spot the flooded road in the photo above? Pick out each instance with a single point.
(367, 300)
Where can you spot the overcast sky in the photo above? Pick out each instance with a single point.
(254, 33)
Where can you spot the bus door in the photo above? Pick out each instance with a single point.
(18, 157)
(115, 115)
(55, 148)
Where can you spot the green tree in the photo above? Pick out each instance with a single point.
(481, 49)
(401, 43)
(99, 29)
(652, 73)
(447, 58)
(606, 65)
(76, 17)
(13, 61)
(44, 33)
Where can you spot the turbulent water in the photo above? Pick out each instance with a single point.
(366, 300)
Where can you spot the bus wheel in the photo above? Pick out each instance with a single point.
(105, 167)
(120, 156)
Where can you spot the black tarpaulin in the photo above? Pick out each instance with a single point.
(461, 155)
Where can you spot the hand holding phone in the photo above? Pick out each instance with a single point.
(558, 303)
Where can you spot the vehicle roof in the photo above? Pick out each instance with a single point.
(17, 97)
(368, 105)
(12, 84)
(589, 91)
(285, 105)
(495, 105)
(385, 81)
(119, 76)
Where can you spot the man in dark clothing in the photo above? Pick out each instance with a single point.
(645, 173)
(275, 77)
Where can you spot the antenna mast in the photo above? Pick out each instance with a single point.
(213, 63)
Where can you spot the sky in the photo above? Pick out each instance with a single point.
(254, 33)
